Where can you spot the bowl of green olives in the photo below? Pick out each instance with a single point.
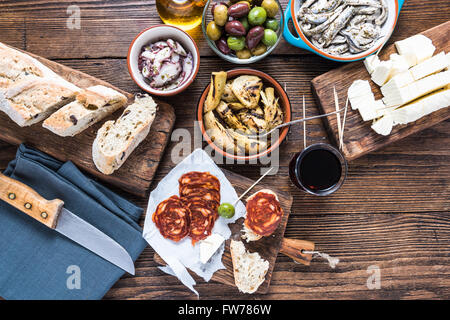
(243, 32)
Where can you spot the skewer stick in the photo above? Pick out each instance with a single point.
(338, 116)
(251, 187)
(304, 123)
(343, 125)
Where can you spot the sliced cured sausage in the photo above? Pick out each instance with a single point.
(202, 219)
(172, 218)
(264, 213)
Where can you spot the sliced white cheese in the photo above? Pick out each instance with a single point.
(359, 92)
(399, 64)
(383, 72)
(422, 107)
(209, 246)
(371, 63)
(383, 125)
(435, 64)
(417, 89)
(415, 49)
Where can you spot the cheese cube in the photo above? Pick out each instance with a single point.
(399, 64)
(209, 246)
(383, 72)
(435, 64)
(415, 49)
(359, 93)
(371, 63)
(422, 107)
(383, 125)
(399, 81)
(398, 97)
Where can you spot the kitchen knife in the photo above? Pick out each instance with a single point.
(55, 216)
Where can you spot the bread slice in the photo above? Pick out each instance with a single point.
(248, 235)
(16, 66)
(249, 268)
(34, 99)
(116, 140)
(91, 105)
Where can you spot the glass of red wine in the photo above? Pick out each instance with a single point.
(319, 169)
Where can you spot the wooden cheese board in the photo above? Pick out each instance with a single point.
(136, 173)
(359, 138)
(267, 247)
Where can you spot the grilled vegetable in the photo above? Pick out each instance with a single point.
(247, 89)
(251, 146)
(253, 119)
(228, 95)
(218, 134)
(218, 80)
(229, 117)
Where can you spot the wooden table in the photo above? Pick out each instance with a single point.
(392, 212)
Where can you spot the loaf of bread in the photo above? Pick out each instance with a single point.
(248, 235)
(91, 105)
(249, 268)
(116, 140)
(34, 99)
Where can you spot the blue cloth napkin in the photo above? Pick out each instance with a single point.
(39, 263)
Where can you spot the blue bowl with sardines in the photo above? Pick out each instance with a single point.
(341, 30)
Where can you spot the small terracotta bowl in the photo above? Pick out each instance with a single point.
(283, 100)
(153, 34)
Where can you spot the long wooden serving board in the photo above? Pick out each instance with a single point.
(359, 138)
(267, 247)
(136, 173)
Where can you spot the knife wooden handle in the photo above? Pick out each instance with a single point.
(29, 201)
(293, 248)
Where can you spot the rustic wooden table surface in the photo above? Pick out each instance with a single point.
(392, 212)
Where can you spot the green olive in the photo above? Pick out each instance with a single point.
(271, 7)
(272, 24)
(244, 54)
(236, 43)
(226, 210)
(270, 37)
(220, 14)
(257, 16)
(260, 49)
(213, 31)
(244, 22)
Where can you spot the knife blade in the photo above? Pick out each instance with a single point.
(53, 214)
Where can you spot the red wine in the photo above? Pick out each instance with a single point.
(319, 170)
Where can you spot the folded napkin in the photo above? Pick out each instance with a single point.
(39, 263)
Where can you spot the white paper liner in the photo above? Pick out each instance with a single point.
(181, 255)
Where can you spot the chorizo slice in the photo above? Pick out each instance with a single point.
(202, 219)
(199, 178)
(264, 214)
(172, 218)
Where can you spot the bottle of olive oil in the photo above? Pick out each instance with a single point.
(185, 14)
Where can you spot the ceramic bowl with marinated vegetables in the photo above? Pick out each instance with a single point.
(243, 31)
(163, 60)
(236, 107)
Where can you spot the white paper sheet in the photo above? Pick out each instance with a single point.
(181, 255)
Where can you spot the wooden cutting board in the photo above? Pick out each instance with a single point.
(359, 138)
(267, 247)
(136, 173)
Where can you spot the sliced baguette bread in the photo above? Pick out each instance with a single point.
(248, 235)
(91, 105)
(249, 268)
(34, 99)
(16, 66)
(116, 140)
